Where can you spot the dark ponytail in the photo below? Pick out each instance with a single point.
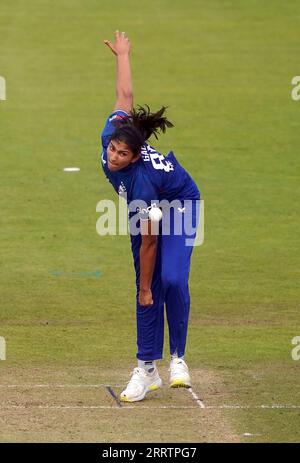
(150, 123)
(139, 125)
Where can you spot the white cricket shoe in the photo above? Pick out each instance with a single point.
(179, 373)
(140, 384)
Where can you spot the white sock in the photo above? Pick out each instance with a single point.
(175, 356)
(148, 365)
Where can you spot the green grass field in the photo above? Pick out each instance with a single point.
(224, 68)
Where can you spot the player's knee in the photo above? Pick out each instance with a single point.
(173, 280)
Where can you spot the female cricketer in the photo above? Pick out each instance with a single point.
(161, 260)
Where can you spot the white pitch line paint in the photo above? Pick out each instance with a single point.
(92, 407)
(79, 407)
(32, 386)
(159, 407)
(196, 398)
(249, 407)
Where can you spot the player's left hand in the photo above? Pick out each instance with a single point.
(145, 298)
(121, 46)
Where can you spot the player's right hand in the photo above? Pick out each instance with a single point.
(121, 46)
(145, 298)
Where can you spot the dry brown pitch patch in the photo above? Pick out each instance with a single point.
(74, 405)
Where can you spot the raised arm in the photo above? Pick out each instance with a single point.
(121, 48)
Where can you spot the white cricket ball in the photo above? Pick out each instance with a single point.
(155, 214)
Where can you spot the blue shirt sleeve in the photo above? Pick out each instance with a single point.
(110, 126)
(144, 195)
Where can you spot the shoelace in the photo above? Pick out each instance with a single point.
(136, 372)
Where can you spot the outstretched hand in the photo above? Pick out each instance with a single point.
(121, 46)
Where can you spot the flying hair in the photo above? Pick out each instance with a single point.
(149, 123)
(136, 128)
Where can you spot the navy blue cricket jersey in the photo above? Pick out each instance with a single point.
(152, 178)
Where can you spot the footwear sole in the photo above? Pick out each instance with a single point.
(180, 383)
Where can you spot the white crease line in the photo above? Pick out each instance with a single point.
(137, 407)
(249, 407)
(31, 386)
(92, 407)
(196, 398)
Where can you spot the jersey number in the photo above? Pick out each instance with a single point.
(159, 162)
